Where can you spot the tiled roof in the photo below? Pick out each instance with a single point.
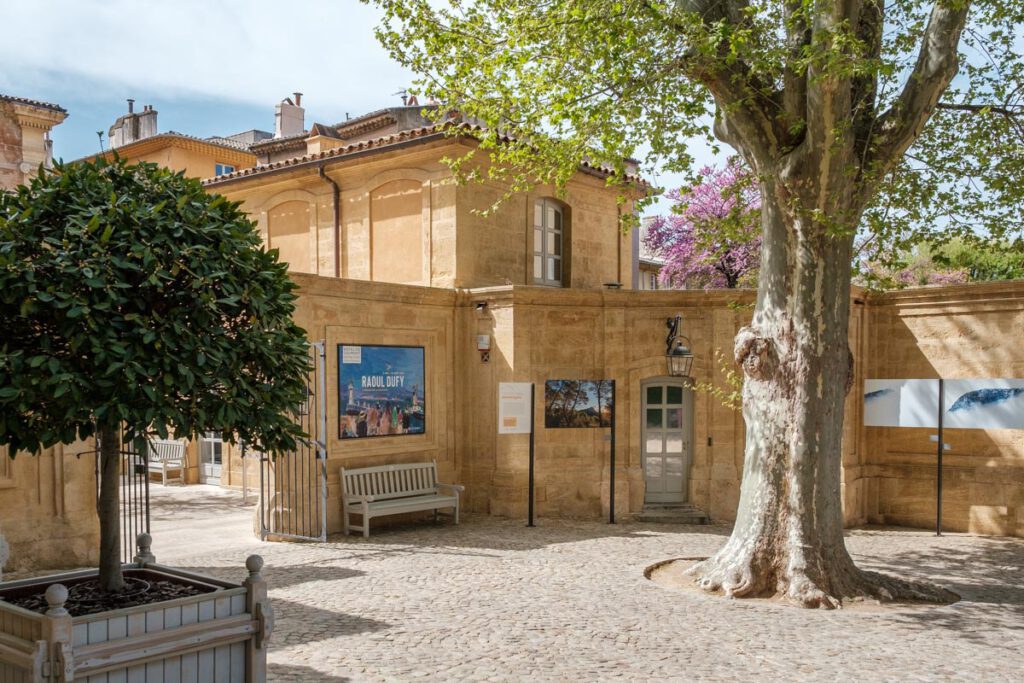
(376, 143)
(33, 103)
(410, 135)
(299, 139)
(227, 142)
(217, 141)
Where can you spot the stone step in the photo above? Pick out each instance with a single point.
(672, 514)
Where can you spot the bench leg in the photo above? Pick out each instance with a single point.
(456, 513)
(344, 519)
(366, 520)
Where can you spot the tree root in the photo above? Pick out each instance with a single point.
(744, 579)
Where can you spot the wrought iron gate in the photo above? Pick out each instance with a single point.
(134, 495)
(293, 486)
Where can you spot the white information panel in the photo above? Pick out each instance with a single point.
(514, 408)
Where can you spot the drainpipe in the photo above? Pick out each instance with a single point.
(337, 219)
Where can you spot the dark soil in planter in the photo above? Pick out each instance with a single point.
(85, 596)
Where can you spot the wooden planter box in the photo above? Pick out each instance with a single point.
(216, 636)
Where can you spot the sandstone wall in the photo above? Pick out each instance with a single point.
(48, 508)
(969, 331)
(437, 237)
(355, 312)
(11, 152)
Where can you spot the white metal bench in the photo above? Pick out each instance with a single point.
(164, 455)
(394, 489)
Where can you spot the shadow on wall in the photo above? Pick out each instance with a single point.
(979, 484)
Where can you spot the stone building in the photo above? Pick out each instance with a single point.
(388, 250)
(47, 500)
(25, 138)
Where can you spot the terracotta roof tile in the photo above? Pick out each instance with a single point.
(422, 132)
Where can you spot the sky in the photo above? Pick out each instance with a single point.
(209, 67)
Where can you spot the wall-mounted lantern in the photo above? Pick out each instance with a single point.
(678, 355)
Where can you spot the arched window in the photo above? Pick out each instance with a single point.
(548, 242)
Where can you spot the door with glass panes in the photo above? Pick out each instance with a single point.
(667, 434)
(211, 452)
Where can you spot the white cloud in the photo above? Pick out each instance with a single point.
(247, 51)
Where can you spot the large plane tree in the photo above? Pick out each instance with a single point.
(894, 118)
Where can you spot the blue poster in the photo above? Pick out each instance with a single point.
(380, 391)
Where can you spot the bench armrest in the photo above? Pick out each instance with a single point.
(351, 497)
(459, 488)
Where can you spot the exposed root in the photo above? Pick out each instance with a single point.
(739, 579)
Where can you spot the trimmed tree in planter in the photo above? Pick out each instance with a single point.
(133, 300)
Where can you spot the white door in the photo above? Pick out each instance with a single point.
(211, 451)
(667, 440)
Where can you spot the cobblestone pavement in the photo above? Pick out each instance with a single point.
(491, 600)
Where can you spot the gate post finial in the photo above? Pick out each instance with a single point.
(144, 554)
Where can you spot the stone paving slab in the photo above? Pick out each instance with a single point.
(491, 600)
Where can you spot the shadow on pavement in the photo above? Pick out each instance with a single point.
(481, 532)
(297, 673)
(984, 573)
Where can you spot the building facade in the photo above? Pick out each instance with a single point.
(25, 143)
(47, 500)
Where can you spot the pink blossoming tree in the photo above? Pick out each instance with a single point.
(713, 237)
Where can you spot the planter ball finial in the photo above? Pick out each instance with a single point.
(56, 596)
(254, 563)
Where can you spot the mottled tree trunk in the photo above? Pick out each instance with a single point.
(788, 537)
(108, 509)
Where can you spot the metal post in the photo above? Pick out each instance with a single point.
(532, 457)
(321, 440)
(938, 476)
(245, 477)
(611, 478)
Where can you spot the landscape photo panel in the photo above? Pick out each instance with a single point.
(882, 402)
(984, 404)
(380, 391)
(578, 403)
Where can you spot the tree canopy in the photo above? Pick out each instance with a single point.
(603, 80)
(131, 296)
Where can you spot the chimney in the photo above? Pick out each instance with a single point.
(147, 122)
(133, 127)
(289, 117)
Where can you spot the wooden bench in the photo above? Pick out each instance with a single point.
(394, 489)
(164, 455)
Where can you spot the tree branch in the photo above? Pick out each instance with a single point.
(865, 87)
(898, 128)
(741, 119)
(794, 77)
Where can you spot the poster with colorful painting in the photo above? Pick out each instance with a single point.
(578, 403)
(380, 391)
